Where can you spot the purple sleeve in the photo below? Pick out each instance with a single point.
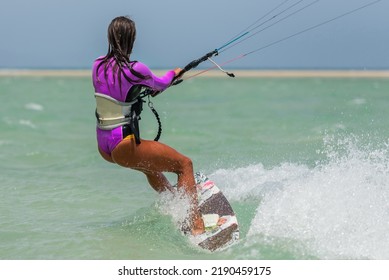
(155, 82)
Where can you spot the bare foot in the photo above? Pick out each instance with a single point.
(197, 231)
(198, 226)
(221, 221)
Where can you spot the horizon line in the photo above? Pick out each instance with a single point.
(253, 73)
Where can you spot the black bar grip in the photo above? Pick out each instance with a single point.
(196, 62)
(193, 64)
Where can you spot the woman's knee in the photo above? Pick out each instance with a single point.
(186, 164)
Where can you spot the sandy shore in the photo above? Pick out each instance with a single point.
(214, 73)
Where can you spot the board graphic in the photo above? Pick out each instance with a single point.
(221, 224)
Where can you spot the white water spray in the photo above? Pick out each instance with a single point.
(338, 209)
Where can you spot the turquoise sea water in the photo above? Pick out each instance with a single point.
(304, 162)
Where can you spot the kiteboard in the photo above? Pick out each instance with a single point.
(221, 224)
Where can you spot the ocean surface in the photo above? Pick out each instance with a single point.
(304, 162)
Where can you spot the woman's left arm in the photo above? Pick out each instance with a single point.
(155, 82)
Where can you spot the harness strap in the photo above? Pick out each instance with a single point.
(136, 109)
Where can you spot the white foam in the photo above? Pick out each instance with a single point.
(175, 205)
(27, 123)
(358, 101)
(338, 209)
(255, 181)
(34, 107)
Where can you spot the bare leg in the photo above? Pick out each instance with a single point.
(158, 181)
(153, 158)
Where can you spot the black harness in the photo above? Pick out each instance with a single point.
(136, 95)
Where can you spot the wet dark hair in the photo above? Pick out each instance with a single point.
(121, 38)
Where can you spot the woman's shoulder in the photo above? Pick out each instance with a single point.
(140, 67)
(100, 58)
(98, 61)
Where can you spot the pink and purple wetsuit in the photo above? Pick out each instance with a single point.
(108, 139)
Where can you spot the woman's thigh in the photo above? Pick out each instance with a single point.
(149, 155)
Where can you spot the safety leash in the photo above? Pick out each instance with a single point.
(151, 106)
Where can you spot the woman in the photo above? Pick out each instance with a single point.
(117, 81)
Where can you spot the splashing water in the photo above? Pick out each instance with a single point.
(175, 205)
(336, 210)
